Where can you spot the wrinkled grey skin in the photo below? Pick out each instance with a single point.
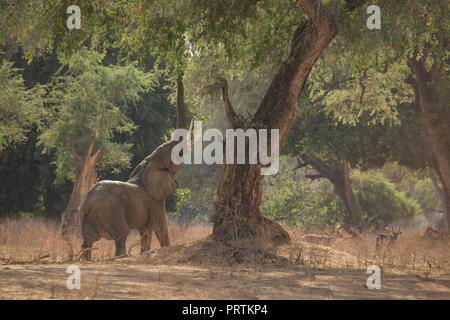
(112, 208)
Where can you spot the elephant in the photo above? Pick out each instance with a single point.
(111, 209)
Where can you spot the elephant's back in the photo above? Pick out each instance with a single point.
(109, 185)
(109, 193)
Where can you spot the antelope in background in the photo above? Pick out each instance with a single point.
(387, 239)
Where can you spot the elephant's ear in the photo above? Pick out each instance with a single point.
(158, 183)
(138, 169)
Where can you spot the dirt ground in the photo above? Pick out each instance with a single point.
(34, 261)
(130, 280)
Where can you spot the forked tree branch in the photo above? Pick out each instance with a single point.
(96, 155)
(231, 115)
(91, 146)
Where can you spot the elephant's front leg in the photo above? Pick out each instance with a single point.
(146, 239)
(160, 224)
(120, 245)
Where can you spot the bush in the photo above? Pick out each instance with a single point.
(380, 201)
(296, 200)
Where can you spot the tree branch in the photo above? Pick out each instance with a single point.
(314, 176)
(300, 164)
(89, 155)
(354, 4)
(91, 146)
(231, 115)
(333, 86)
(181, 111)
(96, 155)
(311, 37)
(323, 169)
(363, 87)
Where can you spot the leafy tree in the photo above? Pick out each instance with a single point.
(21, 115)
(381, 203)
(20, 108)
(420, 45)
(27, 176)
(89, 101)
(355, 114)
(421, 185)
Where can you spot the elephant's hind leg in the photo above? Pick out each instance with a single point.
(90, 235)
(115, 225)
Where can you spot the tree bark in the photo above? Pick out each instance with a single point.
(338, 173)
(84, 179)
(443, 193)
(446, 210)
(436, 116)
(239, 195)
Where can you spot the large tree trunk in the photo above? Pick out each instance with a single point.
(343, 188)
(236, 210)
(446, 209)
(339, 175)
(433, 104)
(237, 213)
(444, 194)
(84, 179)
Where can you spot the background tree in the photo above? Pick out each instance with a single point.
(20, 108)
(89, 102)
(27, 175)
(421, 45)
(21, 114)
(293, 198)
(342, 119)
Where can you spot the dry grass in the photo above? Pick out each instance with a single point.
(409, 252)
(39, 241)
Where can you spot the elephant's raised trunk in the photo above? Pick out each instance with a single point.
(181, 112)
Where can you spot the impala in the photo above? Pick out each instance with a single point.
(387, 239)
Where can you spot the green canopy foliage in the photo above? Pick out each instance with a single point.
(356, 106)
(89, 100)
(20, 108)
